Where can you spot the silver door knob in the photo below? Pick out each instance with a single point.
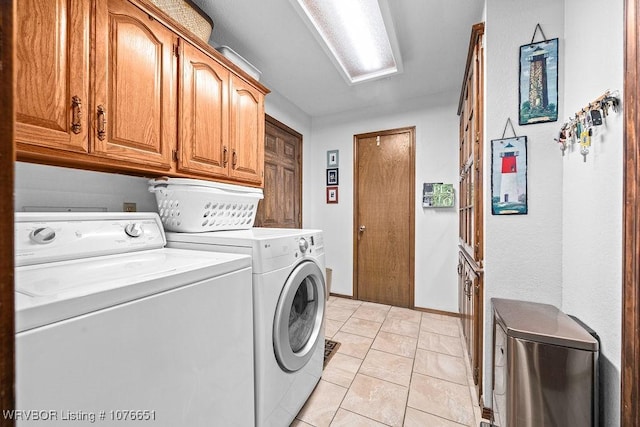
(362, 228)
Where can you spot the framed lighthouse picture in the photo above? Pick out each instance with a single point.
(509, 176)
(538, 82)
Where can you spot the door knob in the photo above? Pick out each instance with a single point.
(362, 228)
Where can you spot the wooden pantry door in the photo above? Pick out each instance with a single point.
(282, 203)
(384, 198)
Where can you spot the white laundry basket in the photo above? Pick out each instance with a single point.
(192, 205)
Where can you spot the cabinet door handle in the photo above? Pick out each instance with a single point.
(76, 115)
(102, 122)
(225, 156)
(467, 288)
(234, 159)
(459, 269)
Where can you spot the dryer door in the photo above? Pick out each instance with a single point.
(297, 326)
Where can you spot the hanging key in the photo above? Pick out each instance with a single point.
(584, 151)
(596, 117)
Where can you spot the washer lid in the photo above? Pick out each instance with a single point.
(47, 293)
(542, 323)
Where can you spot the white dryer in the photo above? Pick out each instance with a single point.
(113, 328)
(288, 304)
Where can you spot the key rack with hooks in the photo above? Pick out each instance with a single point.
(580, 127)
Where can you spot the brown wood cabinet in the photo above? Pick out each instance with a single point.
(204, 114)
(117, 85)
(52, 69)
(247, 131)
(470, 257)
(134, 106)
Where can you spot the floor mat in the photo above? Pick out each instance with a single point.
(330, 348)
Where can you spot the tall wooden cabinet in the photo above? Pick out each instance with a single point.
(117, 85)
(470, 256)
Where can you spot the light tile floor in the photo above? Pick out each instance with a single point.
(394, 367)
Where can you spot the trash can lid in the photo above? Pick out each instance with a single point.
(541, 323)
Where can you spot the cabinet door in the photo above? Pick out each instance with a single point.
(247, 132)
(52, 83)
(135, 86)
(204, 114)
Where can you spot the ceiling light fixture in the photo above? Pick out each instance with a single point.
(358, 35)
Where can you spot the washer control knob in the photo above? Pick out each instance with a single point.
(303, 244)
(134, 229)
(42, 235)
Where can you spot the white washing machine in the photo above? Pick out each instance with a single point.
(288, 304)
(113, 328)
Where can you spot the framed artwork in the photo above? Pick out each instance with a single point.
(538, 100)
(437, 195)
(332, 194)
(332, 176)
(333, 158)
(509, 176)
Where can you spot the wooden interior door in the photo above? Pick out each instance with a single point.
(52, 91)
(384, 217)
(282, 203)
(135, 85)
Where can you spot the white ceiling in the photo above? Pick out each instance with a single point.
(433, 36)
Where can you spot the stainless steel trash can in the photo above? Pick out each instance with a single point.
(545, 367)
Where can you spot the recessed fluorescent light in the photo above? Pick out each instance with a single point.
(358, 35)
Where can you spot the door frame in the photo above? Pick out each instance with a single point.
(7, 162)
(630, 352)
(412, 211)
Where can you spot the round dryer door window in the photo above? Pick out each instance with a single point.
(298, 321)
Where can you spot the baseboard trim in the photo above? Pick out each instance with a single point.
(434, 311)
(425, 310)
(333, 294)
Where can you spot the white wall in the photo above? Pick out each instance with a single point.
(436, 161)
(523, 253)
(43, 186)
(593, 191)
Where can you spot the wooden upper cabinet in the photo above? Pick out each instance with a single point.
(204, 114)
(246, 131)
(52, 69)
(118, 86)
(135, 105)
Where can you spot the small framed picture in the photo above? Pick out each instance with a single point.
(332, 176)
(539, 82)
(332, 194)
(333, 158)
(509, 176)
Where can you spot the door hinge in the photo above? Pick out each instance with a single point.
(176, 49)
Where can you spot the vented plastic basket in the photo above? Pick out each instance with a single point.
(191, 205)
